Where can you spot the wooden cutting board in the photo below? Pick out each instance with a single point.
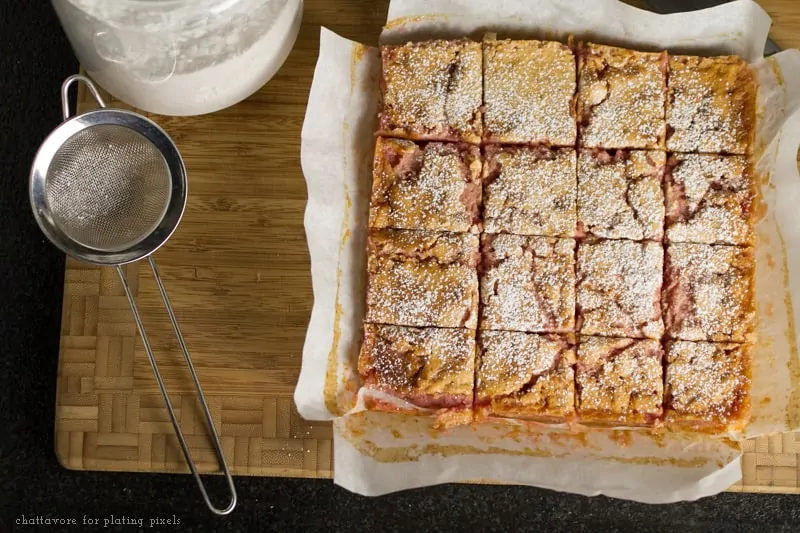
(237, 271)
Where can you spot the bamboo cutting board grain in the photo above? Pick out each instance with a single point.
(237, 271)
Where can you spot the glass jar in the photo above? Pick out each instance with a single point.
(181, 57)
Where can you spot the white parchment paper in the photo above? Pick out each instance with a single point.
(375, 453)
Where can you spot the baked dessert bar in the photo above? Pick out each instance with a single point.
(433, 186)
(525, 375)
(621, 97)
(430, 368)
(709, 199)
(707, 386)
(432, 90)
(619, 381)
(620, 194)
(529, 191)
(710, 105)
(527, 283)
(528, 93)
(708, 293)
(619, 288)
(561, 236)
(422, 278)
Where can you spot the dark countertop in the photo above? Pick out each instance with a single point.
(34, 59)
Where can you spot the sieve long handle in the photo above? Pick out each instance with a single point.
(210, 423)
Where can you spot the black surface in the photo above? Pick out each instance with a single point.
(678, 6)
(34, 59)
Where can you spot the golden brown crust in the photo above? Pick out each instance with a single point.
(595, 165)
(619, 381)
(524, 375)
(434, 186)
(707, 386)
(620, 195)
(710, 105)
(527, 283)
(710, 199)
(428, 367)
(529, 191)
(422, 278)
(529, 87)
(621, 97)
(432, 91)
(708, 293)
(619, 287)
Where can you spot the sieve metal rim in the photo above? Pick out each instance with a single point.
(138, 124)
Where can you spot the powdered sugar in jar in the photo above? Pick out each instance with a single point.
(181, 57)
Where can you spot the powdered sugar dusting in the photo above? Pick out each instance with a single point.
(709, 292)
(711, 105)
(420, 278)
(621, 198)
(529, 373)
(710, 199)
(464, 95)
(619, 287)
(528, 92)
(706, 380)
(422, 360)
(620, 378)
(433, 90)
(534, 193)
(529, 284)
(621, 98)
(431, 197)
(536, 288)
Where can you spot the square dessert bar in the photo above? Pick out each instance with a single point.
(708, 293)
(422, 278)
(527, 283)
(707, 386)
(528, 93)
(620, 194)
(432, 90)
(710, 105)
(529, 191)
(619, 381)
(709, 199)
(525, 375)
(621, 97)
(430, 368)
(619, 289)
(434, 186)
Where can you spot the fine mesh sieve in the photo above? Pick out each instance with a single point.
(109, 187)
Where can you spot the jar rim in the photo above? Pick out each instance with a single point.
(80, 4)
